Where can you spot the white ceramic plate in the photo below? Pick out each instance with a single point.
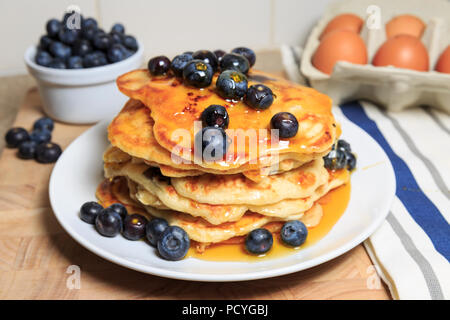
(79, 170)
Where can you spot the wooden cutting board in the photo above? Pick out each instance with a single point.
(36, 253)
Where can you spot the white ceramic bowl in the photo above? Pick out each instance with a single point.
(82, 95)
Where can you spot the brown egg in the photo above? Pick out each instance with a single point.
(402, 51)
(345, 21)
(405, 24)
(443, 64)
(339, 45)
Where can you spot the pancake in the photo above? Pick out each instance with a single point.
(175, 107)
(131, 131)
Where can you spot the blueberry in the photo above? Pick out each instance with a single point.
(116, 53)
(294, 233)
(94, 59)
(118, 28)
(130, 42)
(286, 123)
(173, 244)
(246, 52)
(43, 58)
(40, 136)
(57, 63)
(89, 23)
(344, 146)
(102, 41)
(351, 161)
(134, 227)
(207, 57)
(179, 62)
(159, 65)
(259, 241)
(108, 223)
(60, 50)
(81, 47)
(89, 211)
(75, 62)
(219, 54)
(335, 160)
(154, 230)
(45, 42)
(120, 209)
(53, 26)
(15, 136)
(215, 116)
(44, 123)
(89, 33)
(232, 84)
(116, 38)
(259, 97)
(214, 142)
(198, 74)
(48, 152)
(68, 36)
(27, 149)
(233, 61)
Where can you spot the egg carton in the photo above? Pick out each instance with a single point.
(394, 88)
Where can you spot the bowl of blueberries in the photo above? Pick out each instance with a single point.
(76, 65)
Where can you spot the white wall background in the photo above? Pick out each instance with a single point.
(165, 26)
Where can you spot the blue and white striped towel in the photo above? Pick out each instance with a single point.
(411, 249)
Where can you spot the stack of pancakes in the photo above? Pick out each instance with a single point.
(151, 168)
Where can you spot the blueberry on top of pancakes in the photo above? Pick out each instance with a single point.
(207, 57)
(219, 54)
(286, 123)
(159, 65)
(259, 97)
(214, 142)
(233, 61)
(179, 62)
(246, 52)
(198, 74)
(335, 160)
(215, 116)
(232, 84)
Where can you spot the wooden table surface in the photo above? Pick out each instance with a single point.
(35, 252)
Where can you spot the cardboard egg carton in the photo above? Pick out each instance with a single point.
(394, 88)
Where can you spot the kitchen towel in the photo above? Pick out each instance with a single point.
(411, 249)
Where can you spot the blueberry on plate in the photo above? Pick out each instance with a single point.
(45, 42)
(44, 123)
(179, 62)
(198, 74)
(81, 47)
(294, 233)
(134, 227)
(40, 136)
(232, 84)
(351, 161)
(215, 116)
(233, 61)
(16, 136)
(89, 211)
(108, 223)
(89, 23)
(60, 50)
(154, 230)
(207, 57)
(159, 65)
(57, 63)
(118, 28)
(102, 41)
(48, 152)
(53, 26)
(286, 123)
(259, 241)
(27, 149)
(344, 146)
(246, 52)
(43, 58)
(214, 142)
(259, 97)
(173, 244)
(116, 53)
(130, 42)
(120, 209)
(75, 62)
(335, 160)
(219, 54)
